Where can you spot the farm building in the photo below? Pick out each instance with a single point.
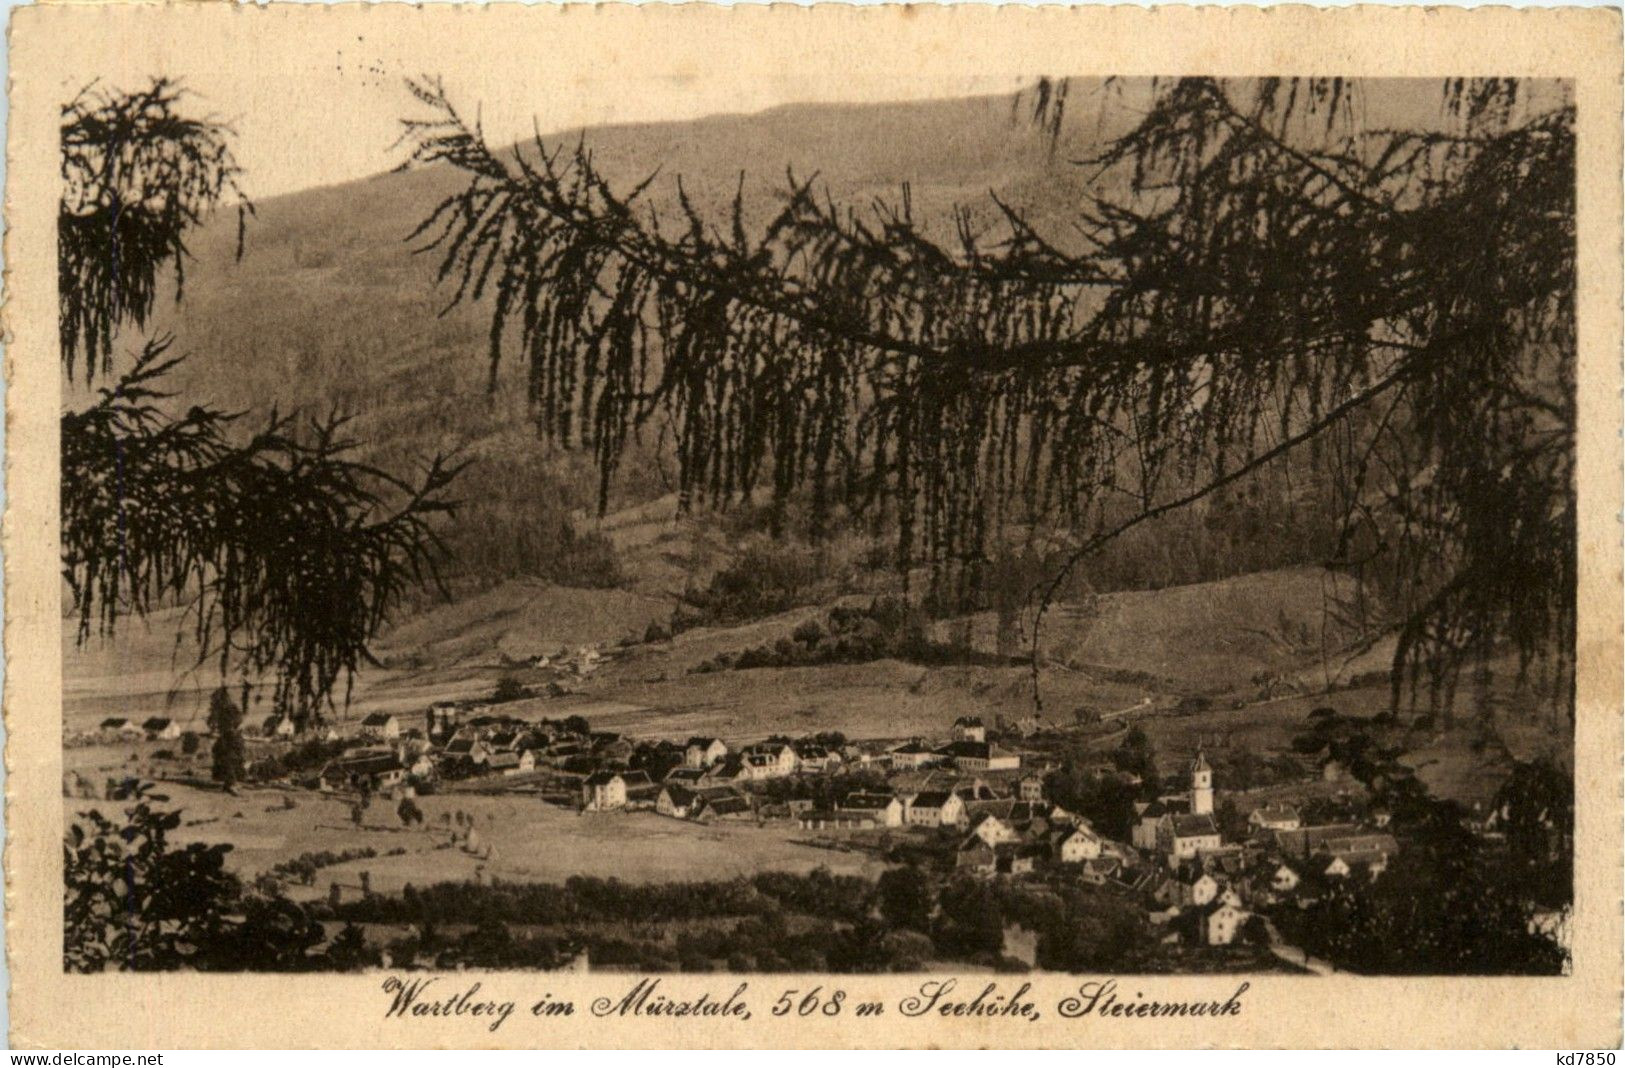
(161, 728)
(370, 771)
(980, 756)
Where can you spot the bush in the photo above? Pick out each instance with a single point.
(767, 578)
(508, 688)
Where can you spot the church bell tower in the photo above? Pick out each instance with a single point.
(1201, 784)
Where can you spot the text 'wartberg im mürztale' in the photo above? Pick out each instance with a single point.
(435, 998)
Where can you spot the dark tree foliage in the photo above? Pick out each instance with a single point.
(1270, 278)
(287, 553)
(137, 175)
(905, 897)
(226, 723)
(133, 902)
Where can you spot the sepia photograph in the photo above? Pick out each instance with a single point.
(942, 523)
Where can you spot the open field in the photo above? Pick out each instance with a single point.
(530, 840)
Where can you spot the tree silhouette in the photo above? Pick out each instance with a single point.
(287, 554)
(226, 723)
(1259, 275)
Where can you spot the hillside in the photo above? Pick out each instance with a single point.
(329, 307)
(330, 310)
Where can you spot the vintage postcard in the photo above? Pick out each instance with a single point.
(802, 527)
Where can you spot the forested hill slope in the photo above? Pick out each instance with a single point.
(330, 309)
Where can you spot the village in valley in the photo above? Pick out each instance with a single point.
(901, 593)
(1207, 869)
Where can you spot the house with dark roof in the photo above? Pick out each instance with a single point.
(730, 806)
(936, 808)
(1221, 922)
(1074, 845)
(161, 729)
(1182, 836)
(980, 756)
(992, 830)
(975, 855)
(363, 771)
(1275, 816)
(814, 758)
(511, 762)
(467, 749)
(1149, 815)
(915, 754)
(503, 741)
(277, 727)
(1304, 842)
(970, 729)
(1350, 852)
(603, 791)
(675, 800)
(1017, 858)
(885, 809)
(381, 725)
(702, 752)
(729, 769)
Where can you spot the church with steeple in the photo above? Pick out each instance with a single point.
(1180, 826)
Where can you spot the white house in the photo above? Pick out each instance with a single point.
(603, 791)
(886, 809)
(1203, 889)
(771, 760)
(1222, 924)
(161, 729)
(703, 752)
(914, 754)
(277, 727)
(980, 756)
(936, 808)
(1077, 845)
(675, 801)
(1285, 879)
(381, 725)
(1275, 817)
(970, 729)
(992, 830)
